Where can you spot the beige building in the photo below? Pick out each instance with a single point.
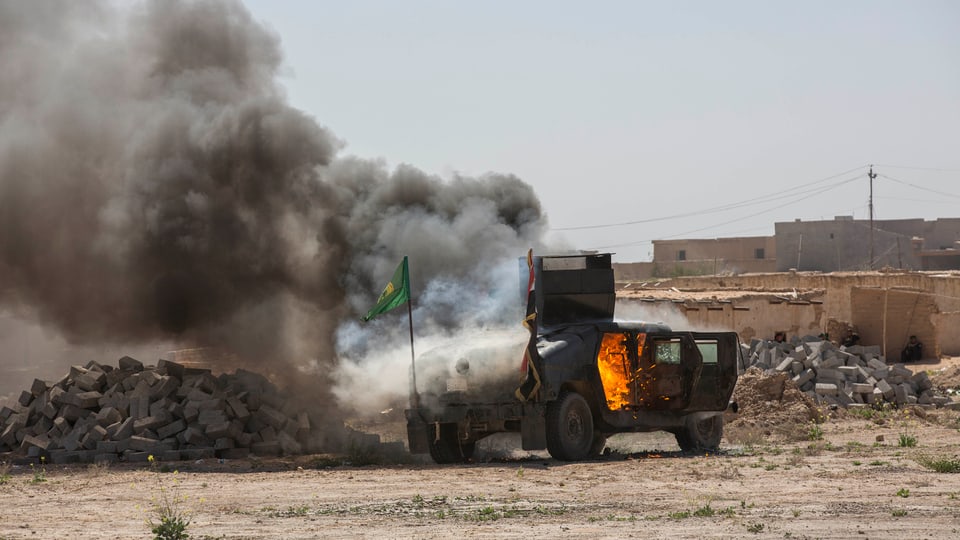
(699, 257)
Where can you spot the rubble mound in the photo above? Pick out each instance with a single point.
(947, 380)
(855, 376)
(98, 413)
(771, 399)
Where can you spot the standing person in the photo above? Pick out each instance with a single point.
(913, 351)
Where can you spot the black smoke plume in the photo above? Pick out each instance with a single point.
(156, 185)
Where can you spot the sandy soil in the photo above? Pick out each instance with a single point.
(856, 482)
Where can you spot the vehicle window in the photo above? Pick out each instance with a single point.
(708, 350)
(667, 352)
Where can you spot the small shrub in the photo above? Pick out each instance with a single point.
(755, 528)
(679, 515)
(704, 511)
(173, 519)
(903, 492)
(39, 473)
(899, 513)
(815, 432)
(940, 465)
(907, 440)
(4, 473)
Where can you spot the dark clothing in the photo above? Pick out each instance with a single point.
(912, 352)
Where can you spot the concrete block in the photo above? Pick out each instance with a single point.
(826, 389)
(922, 381)
(268, 434)
(885, 389)
(254, 400)
(272, 416)
(194, 436)
(233, 453)
(107, 447)
(71, 441)
(171, 429)
(902, 370)
(849, 373)
(197, 453)
(105, 457)
(244, 439)
(38, 387)
(875, 363)
(56, 395)
(266, 448)
(25, 398)
(149, 423)
(41, 442)
(121, 430)
(238, 409)
(216, 431)
(73, 413)
(130, 364)
(900, 394)
(166, 386)
(824, 373)
(88, 400)
(862, 388)
(96, 434)
(150, 376)
(206, 417)
(173, 369)
(784, 365)
(211, 404)
(223, 443)
(170, 455)
(91, 381)
(49, 411)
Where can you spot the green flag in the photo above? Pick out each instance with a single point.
(394, 294)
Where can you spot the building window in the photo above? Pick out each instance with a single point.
(682, 255)
(758, 253)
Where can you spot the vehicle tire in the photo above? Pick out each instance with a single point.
(701, 434)
(447, 448)
(599, 443)
(570, 435)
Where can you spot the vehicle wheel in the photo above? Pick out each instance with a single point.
(447, 448)
(570, 435)
(599, 443)
(701, 434)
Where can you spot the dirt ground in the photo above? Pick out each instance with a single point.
(856, 475)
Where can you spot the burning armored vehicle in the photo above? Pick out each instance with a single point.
(584, 376)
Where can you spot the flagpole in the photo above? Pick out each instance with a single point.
(415, 398)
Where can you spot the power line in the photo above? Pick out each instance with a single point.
(785, 193)
(751, 216)
(937, 169)
(920, 187)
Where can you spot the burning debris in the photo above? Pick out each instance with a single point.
(98, 413)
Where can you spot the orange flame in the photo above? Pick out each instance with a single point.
(613, 363)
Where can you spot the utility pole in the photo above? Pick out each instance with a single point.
(871, 175)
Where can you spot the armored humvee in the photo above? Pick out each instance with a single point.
(584, 376)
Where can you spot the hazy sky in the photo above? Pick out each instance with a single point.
(619, 112)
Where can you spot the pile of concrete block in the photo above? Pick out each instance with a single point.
(98, 413)
(845, 376)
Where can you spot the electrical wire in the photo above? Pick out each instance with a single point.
(751, 216)
(784, 193)
(937, 169)
(919, 187)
